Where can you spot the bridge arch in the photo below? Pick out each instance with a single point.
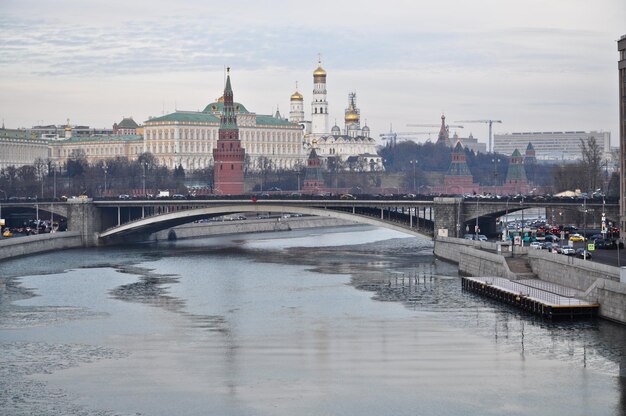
(159, 222)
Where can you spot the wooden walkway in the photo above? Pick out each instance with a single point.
(541, 298)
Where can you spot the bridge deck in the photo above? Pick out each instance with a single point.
(548, 300)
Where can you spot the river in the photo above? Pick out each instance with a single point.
(342, 321)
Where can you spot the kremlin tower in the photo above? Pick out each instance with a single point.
(319, 105)
(444, 136)
(228, 156)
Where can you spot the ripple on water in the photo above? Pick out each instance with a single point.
(23, 395)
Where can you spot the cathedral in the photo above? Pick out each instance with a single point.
(352, 145)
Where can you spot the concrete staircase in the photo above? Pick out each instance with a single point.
(521, 267)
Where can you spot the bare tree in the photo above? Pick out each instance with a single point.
(591, 164)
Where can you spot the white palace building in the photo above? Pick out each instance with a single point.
(187, 138)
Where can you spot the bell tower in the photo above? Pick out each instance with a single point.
(319, 105)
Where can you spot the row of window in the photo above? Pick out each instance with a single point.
(253, 148)
(203, 134)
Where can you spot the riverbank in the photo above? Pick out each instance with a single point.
(592, 282)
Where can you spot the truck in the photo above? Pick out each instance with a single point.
(163, 194)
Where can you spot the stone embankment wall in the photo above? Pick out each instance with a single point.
(203, 229)
(23, 246)
(599, 282)
(475, 258)
(595, 282)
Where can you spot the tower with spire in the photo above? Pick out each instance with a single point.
(459, 179)
(228, 155)
(516, 181)
(313, 179)
(444, 136)
(319, 105)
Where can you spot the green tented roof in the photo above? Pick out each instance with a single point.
(516, 172)
(271, 121)
(127, 123)
(114, 138)
(187, 117)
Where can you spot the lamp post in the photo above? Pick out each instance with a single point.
(414, 163)
(523, 225)
(476, 227)
(143, 179)
(505, 234)
(584, 226)
(5, 197)
(495, 161)
(298, 174)
(104, 168)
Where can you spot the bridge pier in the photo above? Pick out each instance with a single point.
(84, 217)
(448, 215)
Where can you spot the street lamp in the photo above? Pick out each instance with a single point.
(523, 225)
(104, 168)
(298, 174)
(584, 226)
(505, 234)
(414, 163)
(495, 161)
(5, 197)
(143, 178)
(476, 227)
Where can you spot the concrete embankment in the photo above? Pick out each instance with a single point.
(204, 229)
(594, 282)
(23, 246)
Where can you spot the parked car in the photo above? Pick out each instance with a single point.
(536, 245)
(124, 196)
(347, 196)
(468, 236)
(576, 237)
(7, 233)
(552, 238)
(568, 251)
(482, 237)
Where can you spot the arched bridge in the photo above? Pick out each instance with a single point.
(414, 217)
(109, 221)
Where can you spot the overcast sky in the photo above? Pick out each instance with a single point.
(537, 65)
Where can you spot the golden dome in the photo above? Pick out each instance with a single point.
(221, 99)
(296, 96)
(319, 72)
(351, 116)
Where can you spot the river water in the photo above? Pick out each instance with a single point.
(342, 321)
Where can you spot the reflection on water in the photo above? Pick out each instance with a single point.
(353, 321)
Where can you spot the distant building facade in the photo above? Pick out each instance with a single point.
(21, 147)
(470, 143)
(552, 146)
(187, 138)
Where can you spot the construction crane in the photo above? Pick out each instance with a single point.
(490, 122)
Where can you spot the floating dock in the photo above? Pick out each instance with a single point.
(540, 298)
